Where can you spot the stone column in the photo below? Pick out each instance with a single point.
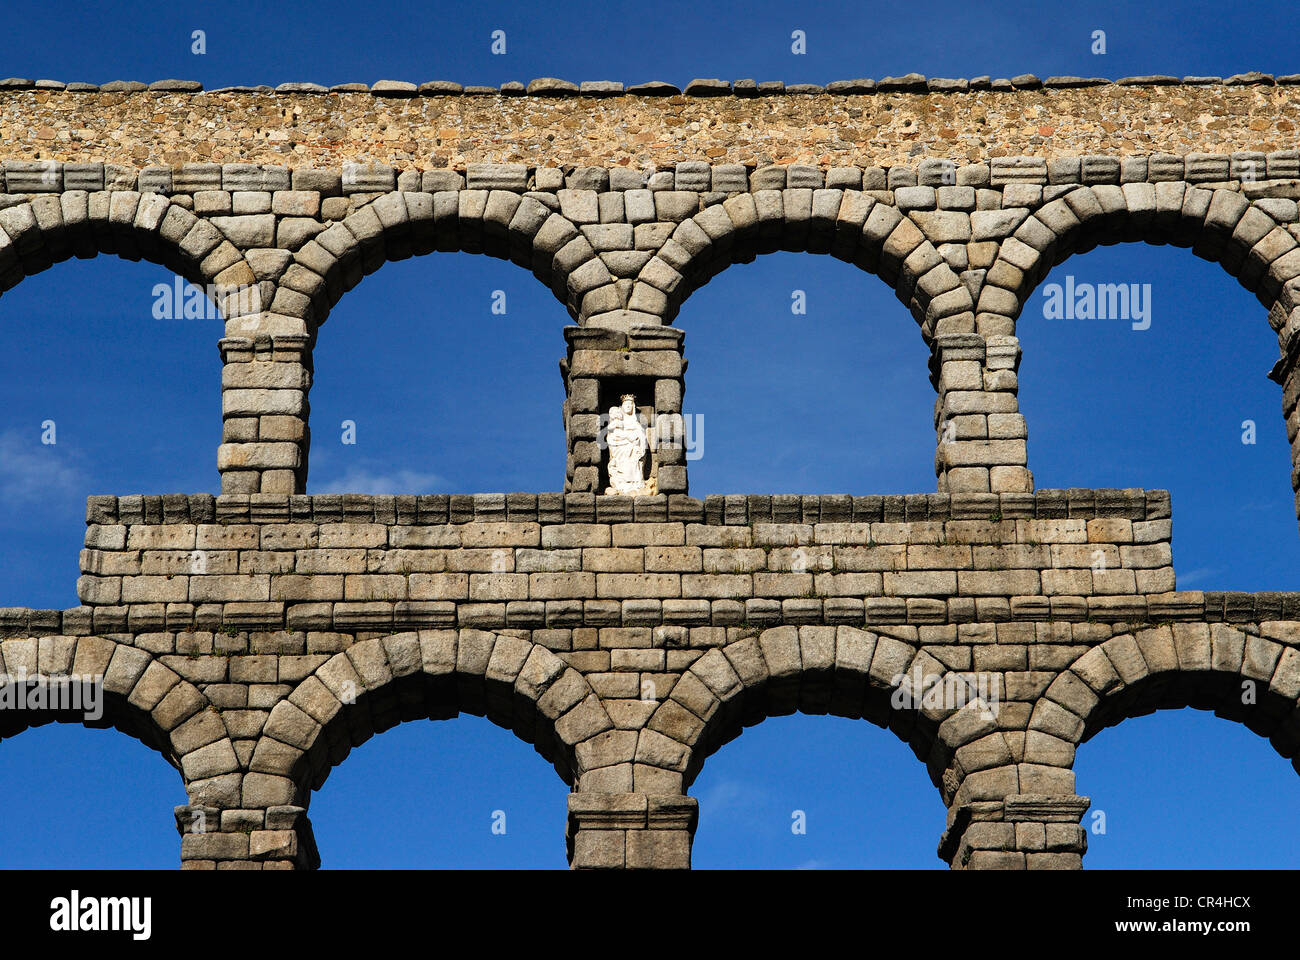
(264, 437)
(981, 434)
(1287, 373)
(601, 365)
(634, 831)
(1019, 832)
(278, 838)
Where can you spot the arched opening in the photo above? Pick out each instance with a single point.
(841, 672)
(86, 788)
(377, 684)
(85, 799)
(806, 376)
(439, 376)
(1172, 395)
(104, 388)
(1247, 676)
(442, 795)
(816, 792)
(1182, 788)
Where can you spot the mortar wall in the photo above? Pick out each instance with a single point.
(145, 128)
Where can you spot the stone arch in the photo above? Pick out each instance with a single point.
(1204, 666)
(402, 224)
(848, 224)
(50, 228)
(395, 226)
(844, 671)
(142, 697)
(377, 683)
(1250, 241)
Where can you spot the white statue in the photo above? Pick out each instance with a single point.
(627, 442)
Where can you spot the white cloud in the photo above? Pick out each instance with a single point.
(735, 798)
(364, 480)
(1197, 575)
(31, 472)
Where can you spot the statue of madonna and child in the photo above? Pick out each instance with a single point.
(628, 444)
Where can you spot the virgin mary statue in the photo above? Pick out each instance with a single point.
(627, 443)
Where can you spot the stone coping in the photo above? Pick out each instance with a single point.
(669, 620)
(1255, 173)
(700, 87)
(556, 508)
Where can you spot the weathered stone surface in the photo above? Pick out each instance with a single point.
(258, 634)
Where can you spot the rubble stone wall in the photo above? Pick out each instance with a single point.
(856, 123)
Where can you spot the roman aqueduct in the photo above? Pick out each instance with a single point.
(254, 637)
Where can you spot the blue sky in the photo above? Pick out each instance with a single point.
(448, 397)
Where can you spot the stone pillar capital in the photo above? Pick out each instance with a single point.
(1017, 832)
(631, 830)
